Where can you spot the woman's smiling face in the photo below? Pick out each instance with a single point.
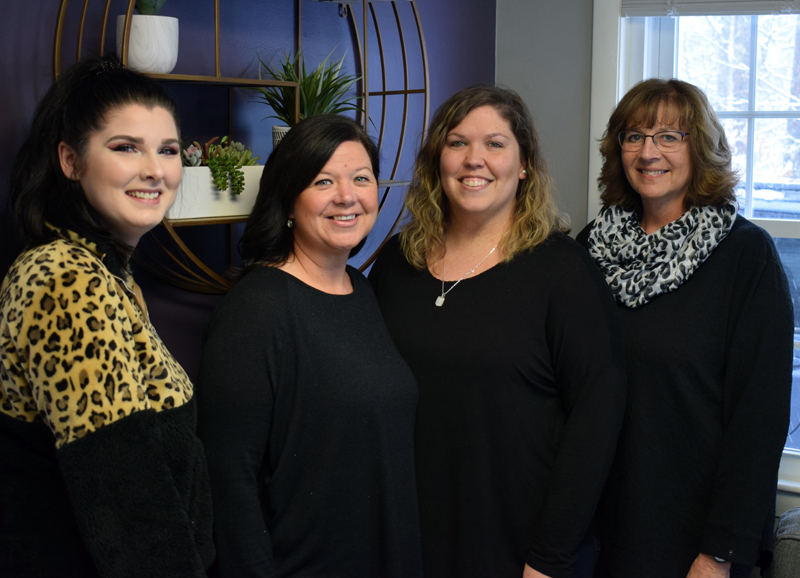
(131, 169)
(337, 210)
(480, 166)
(660, 178)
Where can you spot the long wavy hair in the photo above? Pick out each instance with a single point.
(713, 179)
(74, 107)
(535, 213)
(290, 169)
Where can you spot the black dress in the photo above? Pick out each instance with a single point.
(521, 397)
(709, 382)
(306, 411)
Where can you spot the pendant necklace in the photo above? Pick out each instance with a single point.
(440, 298)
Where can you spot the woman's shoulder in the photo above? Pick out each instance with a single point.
(390, 260)
(59, 262)
(258, 288)
(748, 240)
(562, 248)
(558, 260)
(391, 249)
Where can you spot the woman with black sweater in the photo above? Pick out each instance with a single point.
(707, 326)
(306, 408)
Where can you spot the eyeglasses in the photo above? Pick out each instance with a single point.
(665, 141)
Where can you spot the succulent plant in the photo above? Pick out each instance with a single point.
(149, 7)
(192, 156)
(224, 159)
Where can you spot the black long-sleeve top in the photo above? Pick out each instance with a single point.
(709, 382)
(306, 411)
(521, 398)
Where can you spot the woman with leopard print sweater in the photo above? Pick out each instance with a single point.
(102, 473)
(707, 327)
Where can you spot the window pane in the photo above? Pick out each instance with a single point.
(714, 54)
(793, 439)
(736, 133)
(776, 169)
(789, 250)
(778, 86)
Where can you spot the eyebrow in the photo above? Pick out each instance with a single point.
(364, 168)
(493, 135)
(139, 140)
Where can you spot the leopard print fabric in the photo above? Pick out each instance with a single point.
(76, 349)
(638, 267)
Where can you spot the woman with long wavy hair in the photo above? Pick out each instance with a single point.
(512, 336)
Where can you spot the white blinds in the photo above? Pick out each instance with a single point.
(707, 7)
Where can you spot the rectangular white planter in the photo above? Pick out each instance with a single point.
(199, 199)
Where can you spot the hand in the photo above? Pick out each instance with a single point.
(704, 566)
(531, 573)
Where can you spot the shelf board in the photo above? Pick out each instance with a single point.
(221, 80)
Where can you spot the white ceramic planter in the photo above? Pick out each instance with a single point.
(198, 198)
(278, 132)
(153, 45)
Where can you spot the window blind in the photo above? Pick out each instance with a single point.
(708, 7)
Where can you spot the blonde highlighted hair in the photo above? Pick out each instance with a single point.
(535, 213)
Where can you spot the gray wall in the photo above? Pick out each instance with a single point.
(544, 52)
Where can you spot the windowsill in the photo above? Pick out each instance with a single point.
(789, 473)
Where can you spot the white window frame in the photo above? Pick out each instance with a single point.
(612, 38)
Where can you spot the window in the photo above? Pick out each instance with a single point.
(749, 67)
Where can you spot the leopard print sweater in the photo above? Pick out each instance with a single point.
(76, 348)
(103, 473)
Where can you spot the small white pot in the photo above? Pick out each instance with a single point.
(198, 198)
(278, 132)
(153, 45)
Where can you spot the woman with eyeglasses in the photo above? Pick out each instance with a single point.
(707, 328)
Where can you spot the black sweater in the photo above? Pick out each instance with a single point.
(307, 413)
(521, 398)
(709, 373)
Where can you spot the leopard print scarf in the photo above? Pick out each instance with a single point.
(638, 267)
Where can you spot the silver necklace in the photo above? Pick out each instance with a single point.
(440, 298)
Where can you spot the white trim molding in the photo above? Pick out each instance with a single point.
(632, 8)
(605, 83)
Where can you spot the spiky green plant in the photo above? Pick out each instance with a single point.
(322, 91)
(149, 7)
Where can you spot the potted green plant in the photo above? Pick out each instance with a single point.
(220, 179)
(153, 43)
(322, 91)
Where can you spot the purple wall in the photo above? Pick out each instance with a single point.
(459, 55)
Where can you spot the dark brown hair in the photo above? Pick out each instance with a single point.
(74, 107)
(290, 169)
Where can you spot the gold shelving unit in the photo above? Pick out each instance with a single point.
(182, 267)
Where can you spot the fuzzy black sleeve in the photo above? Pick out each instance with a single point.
(130, 514)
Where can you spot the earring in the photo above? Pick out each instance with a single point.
(524, 171)
(290, 223)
